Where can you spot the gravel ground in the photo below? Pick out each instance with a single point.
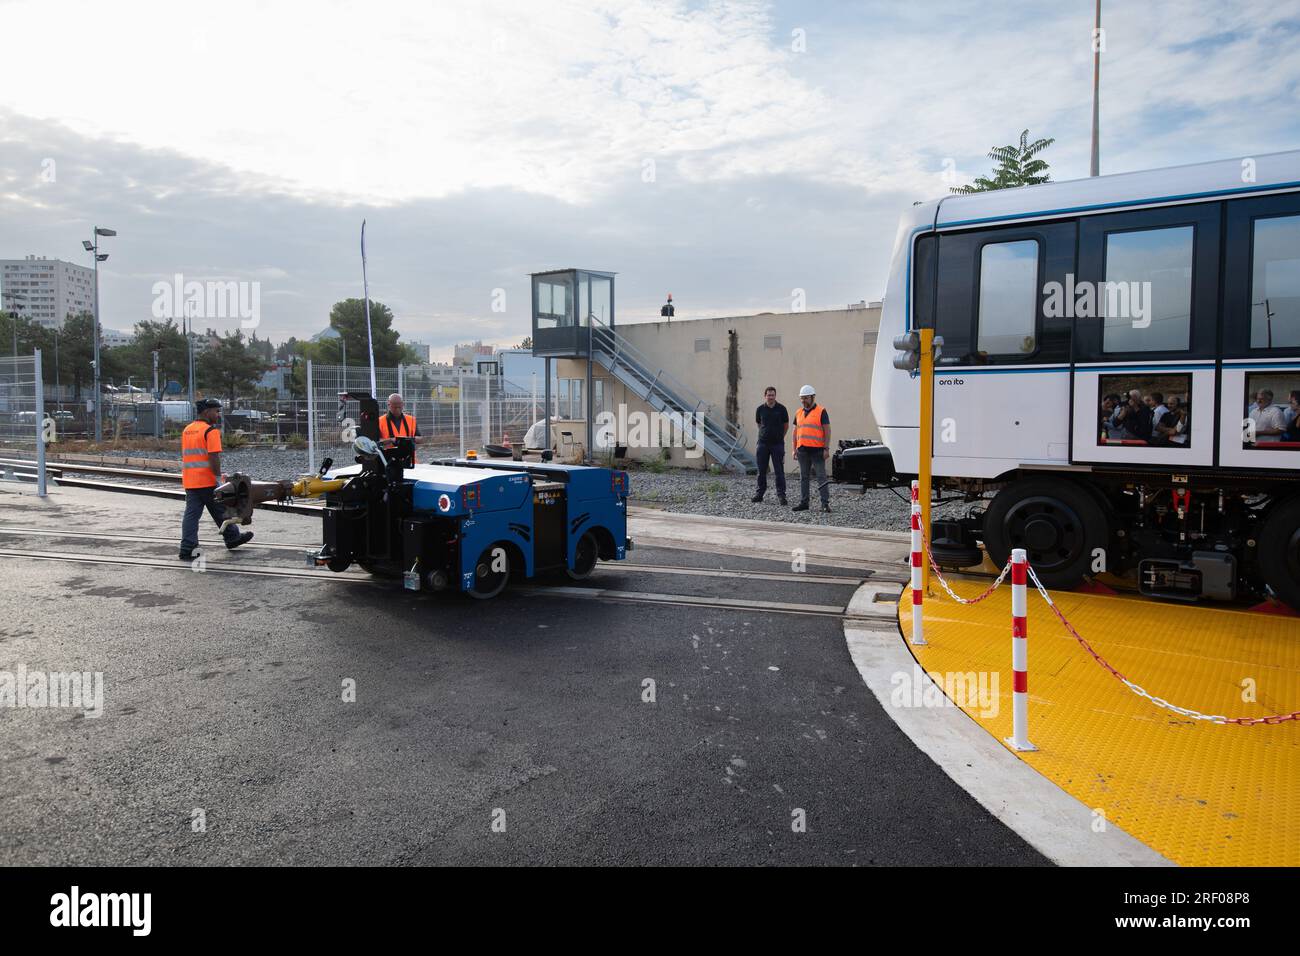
(728, 496)
(687, 491)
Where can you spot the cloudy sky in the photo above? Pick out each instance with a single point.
(728, 153)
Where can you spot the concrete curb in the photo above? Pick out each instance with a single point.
(825, 531)
(1042, 814)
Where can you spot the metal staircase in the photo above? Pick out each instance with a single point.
(723, 441)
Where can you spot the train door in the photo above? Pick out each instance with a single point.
(1001, 386)
(1261, 337)
(1145, 312)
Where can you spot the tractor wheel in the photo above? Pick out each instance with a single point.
(491, 573)
(585, 556)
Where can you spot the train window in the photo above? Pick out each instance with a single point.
(1008, 298)
(1271, 419)
(1275, 283)
(1146, 301)
(1146, 410)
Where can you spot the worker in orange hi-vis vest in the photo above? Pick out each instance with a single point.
(812, 446)
(395, 423)
(200, 475)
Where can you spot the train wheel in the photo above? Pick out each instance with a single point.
(585, 556)
(491, 573)
(1279, 551)
(1058, 523)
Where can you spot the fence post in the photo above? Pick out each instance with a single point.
(40, 424)
(918, 587)
(311, 423)
(460, 408)
(1019, 739)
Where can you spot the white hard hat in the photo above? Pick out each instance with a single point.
(807, 390)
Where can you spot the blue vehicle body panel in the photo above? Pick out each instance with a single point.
(492, 504)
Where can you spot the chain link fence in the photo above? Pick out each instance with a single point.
(25, 426)
(454, 412)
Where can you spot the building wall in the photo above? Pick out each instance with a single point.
(831, 350)
(46, 290)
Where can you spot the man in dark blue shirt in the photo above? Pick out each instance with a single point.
(773, 422)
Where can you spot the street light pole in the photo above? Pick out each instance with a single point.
(1096, 95)
(93, 247)
(189, 347)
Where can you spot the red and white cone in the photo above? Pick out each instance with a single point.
(918, 590)
(1019, 739)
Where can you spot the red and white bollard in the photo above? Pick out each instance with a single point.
(918, 546)
(1019, 739)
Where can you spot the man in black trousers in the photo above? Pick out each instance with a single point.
(773, 422)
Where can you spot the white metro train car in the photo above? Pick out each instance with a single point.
(1119, 384)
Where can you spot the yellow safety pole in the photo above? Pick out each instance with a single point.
(925, 443)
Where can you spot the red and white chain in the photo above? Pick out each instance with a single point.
(1158, 701)
(934, 566)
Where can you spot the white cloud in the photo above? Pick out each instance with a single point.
(387, 101)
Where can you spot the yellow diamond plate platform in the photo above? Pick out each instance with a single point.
(1201, 794)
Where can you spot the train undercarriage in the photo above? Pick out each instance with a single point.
(1185, 537)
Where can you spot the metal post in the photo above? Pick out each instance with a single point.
(189, 348)
(311, 423)
(590, 434)
(157, 399)
(925, 448)
(1095, 168)
(1019, 739)
(40, 424)
(401, 381)
(460, 408)
(918, 562)
(99, 428)
(546, 412)
(532, 415)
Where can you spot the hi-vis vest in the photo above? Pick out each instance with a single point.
(809, 432)
(405, 428)
(196, 469)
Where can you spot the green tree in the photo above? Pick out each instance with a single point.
(77, 351)
(348, 318)
(173, 357)
(31, 335)
(229, 367)
(1017, 166)
(286, 350)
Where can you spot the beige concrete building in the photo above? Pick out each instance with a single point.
(727, 362)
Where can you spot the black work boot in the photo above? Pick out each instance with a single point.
(801, 506)
(783, 501)
(244, 538)
(186, 555)
(826, 506)
(757, 499)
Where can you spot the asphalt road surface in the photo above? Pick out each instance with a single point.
(517, 731)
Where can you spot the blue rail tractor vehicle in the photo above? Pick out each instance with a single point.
(458, 524)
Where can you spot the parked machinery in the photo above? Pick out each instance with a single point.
(459, 524)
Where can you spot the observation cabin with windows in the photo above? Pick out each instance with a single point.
(573, 318)
(569, 306)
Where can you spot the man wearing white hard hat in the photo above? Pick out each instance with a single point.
(812, 446)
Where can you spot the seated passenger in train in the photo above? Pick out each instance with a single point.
(1270, 420)
(1174, 427)
(1134, 418)
(1292, 431)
